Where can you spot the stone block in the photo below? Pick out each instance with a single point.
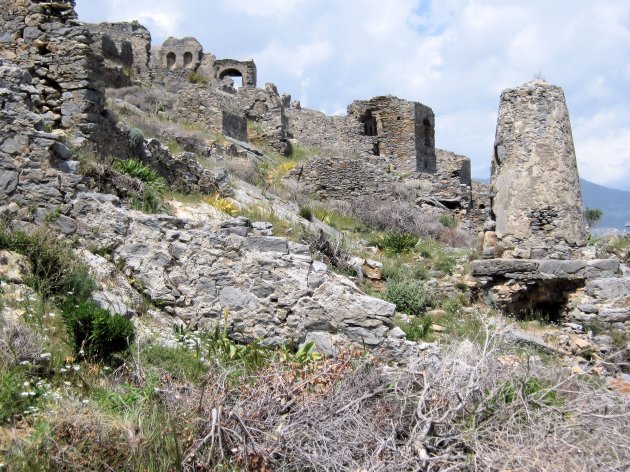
(267, 244)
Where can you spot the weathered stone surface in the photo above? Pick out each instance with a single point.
(272, 293)
(615, 315)
(13, 267)
(609, 288)
(535, 184)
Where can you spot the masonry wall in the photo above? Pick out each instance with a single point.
(213, 109)
(343, 178)
(47, 41)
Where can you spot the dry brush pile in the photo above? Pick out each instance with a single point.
(476, 406)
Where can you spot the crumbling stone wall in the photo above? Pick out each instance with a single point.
(268, 109)
(537, 202)
(387, 131)
(46, 39)
(185, 53)
(344, 178)
(30, 184)
(400, 129)
(481, 203)
(233, 68)
(451, 184)
(213, 109)
(126, 50)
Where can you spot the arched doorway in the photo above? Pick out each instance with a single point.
(234, 73)
(188, 60)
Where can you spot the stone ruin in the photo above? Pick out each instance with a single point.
(389, 139)
(129, 57)
(535, 186)
(534, 240)
(386, 140)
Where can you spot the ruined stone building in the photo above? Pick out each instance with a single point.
(392, 140)
(126, 47)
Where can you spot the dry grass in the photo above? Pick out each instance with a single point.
(405, 217)
(464, 410)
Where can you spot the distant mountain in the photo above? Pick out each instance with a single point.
(614, 203)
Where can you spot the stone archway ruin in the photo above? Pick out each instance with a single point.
(233, 73)
(233, 68)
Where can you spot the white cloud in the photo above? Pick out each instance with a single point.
(266, 8)
(295, 59)
(606, 159)
(164, 17)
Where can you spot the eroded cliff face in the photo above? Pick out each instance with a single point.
(537, 203)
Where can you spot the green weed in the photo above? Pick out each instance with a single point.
(95, 332)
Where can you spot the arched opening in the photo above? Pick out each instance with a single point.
(234, 74)
(171, 60)
(188, 60)
(369, 124)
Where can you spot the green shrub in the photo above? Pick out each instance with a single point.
(96, 332)
(447, 221)
(150, 202)
(396, 271)
(306, 213)
(593, 216)
(55, 269)
(409, 296)
(418, 328)
(197, 78)
(397, 242)
(142, 172)
(12, 402)
(136, 138)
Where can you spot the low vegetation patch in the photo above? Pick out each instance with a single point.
(222, 204)
(409, 296)
(396, 243)
(95, 333)
(55, 271)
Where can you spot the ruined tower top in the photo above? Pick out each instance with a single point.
(537, 202)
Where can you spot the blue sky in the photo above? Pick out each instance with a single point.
(452, 55)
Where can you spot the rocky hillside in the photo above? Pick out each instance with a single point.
(195, 277)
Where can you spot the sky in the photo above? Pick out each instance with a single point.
(455, 56)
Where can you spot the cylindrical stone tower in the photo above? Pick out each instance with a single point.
(535, 186)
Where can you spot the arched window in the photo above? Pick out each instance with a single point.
(188, 60)
(171, 60)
